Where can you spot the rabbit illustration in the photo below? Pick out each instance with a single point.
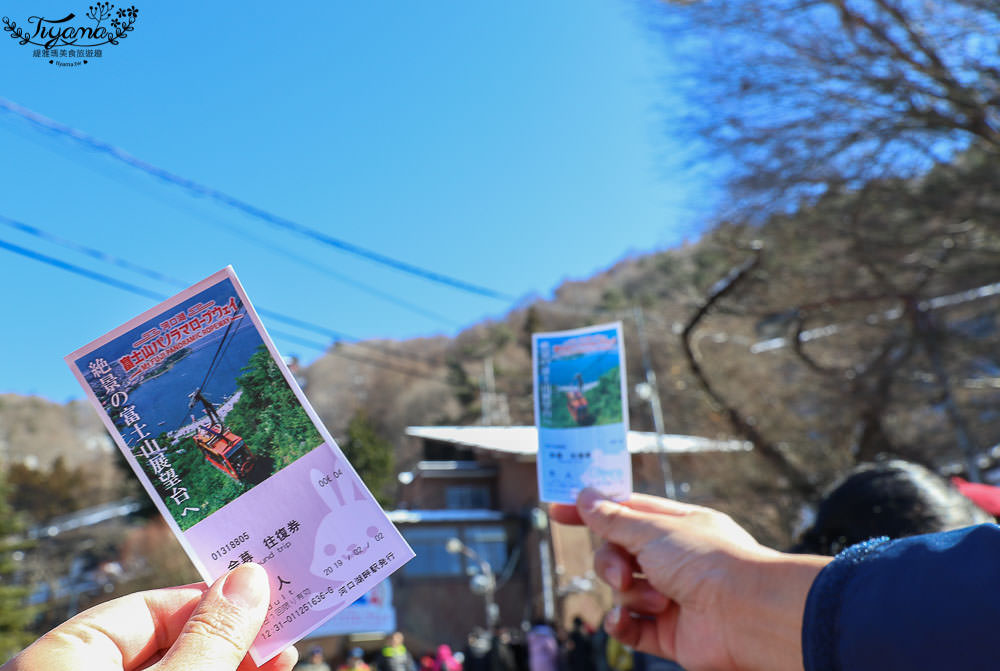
(346, 533)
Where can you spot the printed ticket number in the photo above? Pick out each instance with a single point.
(581, 413)
(234, 457)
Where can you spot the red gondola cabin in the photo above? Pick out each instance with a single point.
(224, 450)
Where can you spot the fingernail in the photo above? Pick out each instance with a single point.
(613, 576)
(246, 586)
(590, 500)
(611, 619)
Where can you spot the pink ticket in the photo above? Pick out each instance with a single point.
(234, 457)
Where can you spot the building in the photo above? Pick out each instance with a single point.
(478, 484)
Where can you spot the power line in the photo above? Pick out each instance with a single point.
(160, 277)
(346, 355)
(153, 274)
(199, 189)
(99, 277)
(145, 293)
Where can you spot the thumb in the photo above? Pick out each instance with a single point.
(618, 523)
(224, 624)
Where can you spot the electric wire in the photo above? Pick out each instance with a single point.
(145, 293)
(353, 357)
(156, 275)
(243, 235)
(69, 267)
(220, 350)
(198, 189)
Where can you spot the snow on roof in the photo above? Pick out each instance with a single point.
(523, 440)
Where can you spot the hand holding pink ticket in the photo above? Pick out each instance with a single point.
(223, 440)
(177, 628)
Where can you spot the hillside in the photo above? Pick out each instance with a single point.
(854, 329)
(34, 431)
(863, 326)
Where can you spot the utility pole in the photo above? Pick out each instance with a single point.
(540, 523)
(495, 411)
(649, 391)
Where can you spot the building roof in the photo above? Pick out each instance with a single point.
(403, 516)
(452, 469)
(522, 441)
(86, 517)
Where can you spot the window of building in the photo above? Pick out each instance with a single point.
(467, 496)
(490, 543)
(432, 558)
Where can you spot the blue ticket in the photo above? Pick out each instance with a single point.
(581, 413)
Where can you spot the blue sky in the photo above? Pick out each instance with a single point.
(510, 145)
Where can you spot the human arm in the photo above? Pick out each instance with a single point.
(924, 602)
(194, 628)
(695, 587)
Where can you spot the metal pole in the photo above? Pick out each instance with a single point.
(455, 545)
(548, 600)
(492, 611)
(654, 402)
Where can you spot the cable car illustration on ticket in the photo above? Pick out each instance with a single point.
(225, 443)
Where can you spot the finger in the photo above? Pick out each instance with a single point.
(614, 566)
(564, 514)
(618, 523)
(617, 568)
(224, 624)
(644, 599)
(284, 661)
(126, 632)
(660, 505)
(567, 514)
(655, 636)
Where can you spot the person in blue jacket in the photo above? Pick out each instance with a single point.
(693, 586)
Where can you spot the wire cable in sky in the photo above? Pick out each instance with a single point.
(340, 277)
(90, 251)
(104, 257)
(243, 234)
(230, 201)
(346, 355)
(145, 293)
(99, 277)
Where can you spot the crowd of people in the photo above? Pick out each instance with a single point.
(691, 586)
(543, 647)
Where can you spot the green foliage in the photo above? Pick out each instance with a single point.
(268, 416)
(45, 494)
(15, 616)
(370, 454)
(532, 323)
(710, 263)
(273, 426)
(464, 389)
(210, 488)
(603, 401)
(613, 298)
(500, 335)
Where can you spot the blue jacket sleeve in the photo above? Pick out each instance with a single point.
(924, 602)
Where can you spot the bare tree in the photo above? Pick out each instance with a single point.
(876, 324)
(802, 95)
